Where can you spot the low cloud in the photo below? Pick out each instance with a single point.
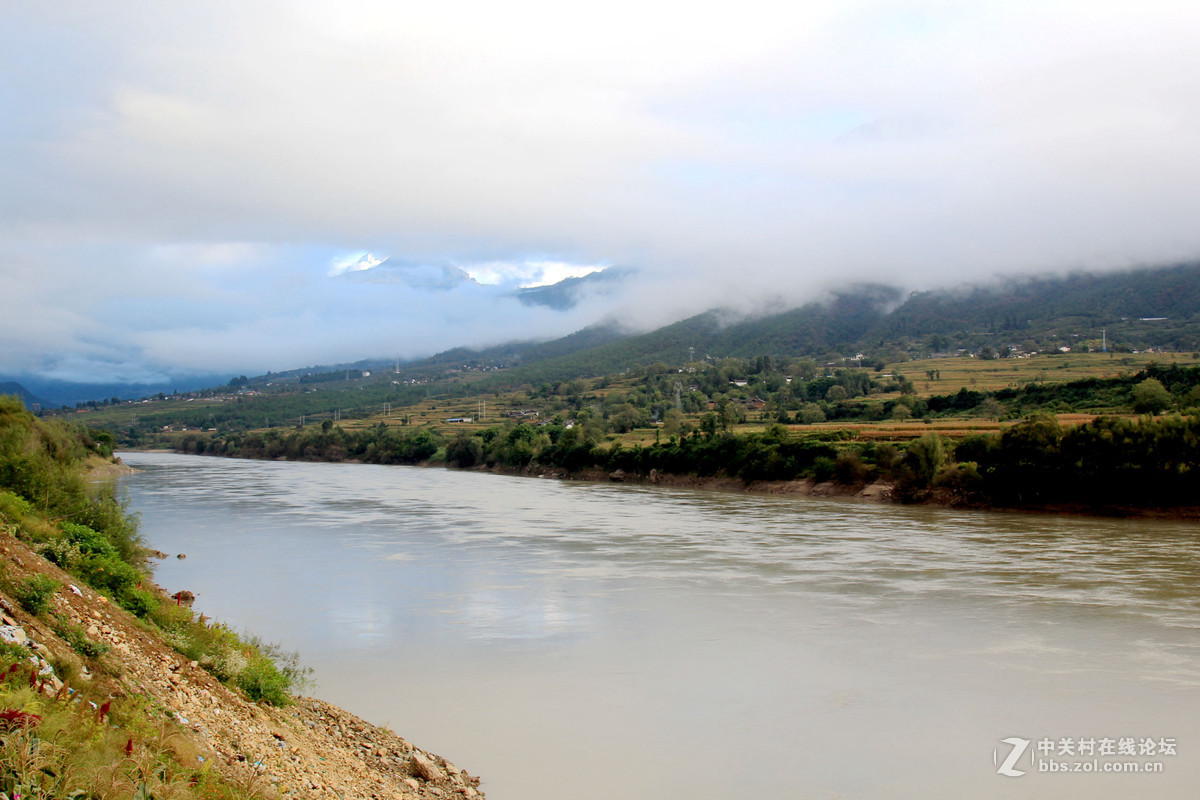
(259, 186)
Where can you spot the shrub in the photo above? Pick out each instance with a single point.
(464, 451)
(823, 468)
(139, 602)
(270, 673)
(66, 551)
(108, 573)
(87, 540)
(962, 479)
(108, 516)
(78, 640)
(925, 457)
(35, 593)
(810, 413)
(14, 506)
(262, 681)
(849, 468)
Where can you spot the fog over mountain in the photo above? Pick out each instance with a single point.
(211, 188)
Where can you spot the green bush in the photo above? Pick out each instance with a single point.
(35, 593)
(823, 469)
(78, 640)
(138, 602)
(14, 506)
(108, 516)
(849, 468)
(262, 681)
(76, 542)
(270, 673)
(88, 541)
(108, 573)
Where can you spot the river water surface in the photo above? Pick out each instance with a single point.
(579, 640)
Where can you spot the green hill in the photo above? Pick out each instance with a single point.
(30, 400)
(1124, 311)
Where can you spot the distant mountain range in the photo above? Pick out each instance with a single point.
(52, 393)
(567, 293)
(1121, 311)
(1149, 308)
(30, 400)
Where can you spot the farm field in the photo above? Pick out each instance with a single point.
(980, 375)
(458, 407)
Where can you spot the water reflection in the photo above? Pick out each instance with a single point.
(539, 632)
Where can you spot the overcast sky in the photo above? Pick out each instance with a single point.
(247, 186)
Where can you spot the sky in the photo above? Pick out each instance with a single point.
(249, 186)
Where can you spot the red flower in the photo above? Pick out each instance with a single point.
(11, 719)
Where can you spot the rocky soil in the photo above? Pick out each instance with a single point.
(310, 749)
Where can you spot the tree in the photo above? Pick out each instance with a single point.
(730, 413)
(925, 457)
(1151, 397)
(810, 413)
(674, 422)
(464, 451)
(624, 417)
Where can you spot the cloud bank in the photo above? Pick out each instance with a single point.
(243, 187)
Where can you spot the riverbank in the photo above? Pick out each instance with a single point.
(97, 468)
(110, 689)
(874, 491)
(878, 491)
(1110, 463)
(306, 749)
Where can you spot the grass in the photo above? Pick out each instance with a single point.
(62, 748)
(264, 672)
(68, 745)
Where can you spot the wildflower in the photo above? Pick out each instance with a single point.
(11, 719)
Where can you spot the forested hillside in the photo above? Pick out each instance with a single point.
(1121, 312)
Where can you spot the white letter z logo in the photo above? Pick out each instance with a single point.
(1018, 750)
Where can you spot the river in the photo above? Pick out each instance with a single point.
(586, 640)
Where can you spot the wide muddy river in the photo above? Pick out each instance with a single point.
(584, 640)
